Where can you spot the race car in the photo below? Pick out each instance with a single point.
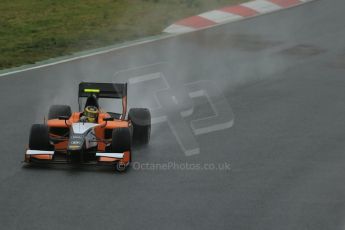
(92, 135)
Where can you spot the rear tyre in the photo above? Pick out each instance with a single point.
(121, 142)
(39, 138)
(141, 121)
(55, 112)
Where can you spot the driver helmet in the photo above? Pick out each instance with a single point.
(91, 113)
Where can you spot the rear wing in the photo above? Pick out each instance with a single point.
(103, 90)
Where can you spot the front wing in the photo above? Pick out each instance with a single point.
(53, 157)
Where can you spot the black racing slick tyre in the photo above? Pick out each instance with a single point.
(121, 140)
(39, 138)
(141, 121)
(56, 111)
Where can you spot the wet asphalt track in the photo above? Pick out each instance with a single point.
(282, 76)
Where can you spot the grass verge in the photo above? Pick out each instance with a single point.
(36, 30)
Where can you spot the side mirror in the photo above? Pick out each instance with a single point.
(108, 119)
(65, 118)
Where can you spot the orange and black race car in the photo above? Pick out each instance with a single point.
(91, 136)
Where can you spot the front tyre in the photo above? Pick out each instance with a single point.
(121, 140)
(121, 143)
(39, 138)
